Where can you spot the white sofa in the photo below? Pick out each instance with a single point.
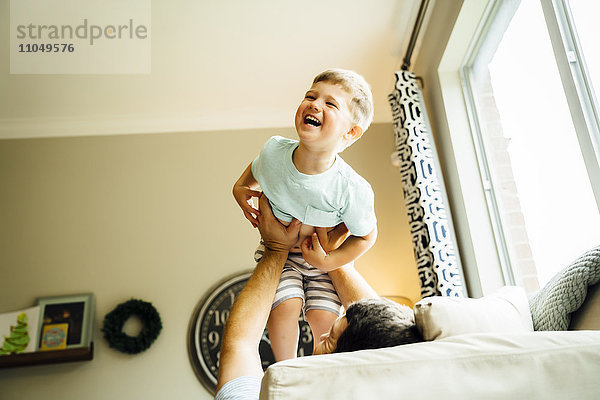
(491, 365)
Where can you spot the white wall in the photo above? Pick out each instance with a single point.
(151, 217)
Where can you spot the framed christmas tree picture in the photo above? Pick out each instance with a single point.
(65, 322)
(19, 331)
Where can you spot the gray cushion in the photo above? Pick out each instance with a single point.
(552, 306)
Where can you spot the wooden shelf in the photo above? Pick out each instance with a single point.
(47, 357)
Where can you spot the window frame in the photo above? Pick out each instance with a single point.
(580, 99)
(491, 14)
(576, 83)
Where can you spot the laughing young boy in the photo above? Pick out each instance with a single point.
(308, 181)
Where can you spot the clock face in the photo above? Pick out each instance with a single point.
(207, 325)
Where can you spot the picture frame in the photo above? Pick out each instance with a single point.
(76, 311)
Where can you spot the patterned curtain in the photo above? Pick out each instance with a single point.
(424, 193)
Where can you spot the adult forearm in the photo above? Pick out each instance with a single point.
(248, 317)
(247, 320)
(351, 286)
(251, 309)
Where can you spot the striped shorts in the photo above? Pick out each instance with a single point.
(300, 279)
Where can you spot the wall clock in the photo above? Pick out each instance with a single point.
(208, 322)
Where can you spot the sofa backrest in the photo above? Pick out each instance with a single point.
(514, 365)
(588, 315)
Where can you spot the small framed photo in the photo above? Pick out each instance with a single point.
(66, 322)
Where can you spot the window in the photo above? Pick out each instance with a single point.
(535, 127)
(584, 15)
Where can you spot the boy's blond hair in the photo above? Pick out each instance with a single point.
(361, 98)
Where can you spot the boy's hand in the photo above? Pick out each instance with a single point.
(313, 252)
(243, 195)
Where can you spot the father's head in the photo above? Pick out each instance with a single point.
(370, 324)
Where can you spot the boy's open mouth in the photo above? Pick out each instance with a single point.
(310, 120)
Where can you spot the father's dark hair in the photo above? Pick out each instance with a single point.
(377, 323)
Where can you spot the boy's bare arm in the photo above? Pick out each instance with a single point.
(352, 248)
(331, 240)
(243, 191)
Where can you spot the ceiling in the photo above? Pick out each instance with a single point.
(216, 65)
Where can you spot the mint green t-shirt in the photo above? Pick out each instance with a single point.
(323, 200)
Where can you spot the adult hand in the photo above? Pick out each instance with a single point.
(275, 235)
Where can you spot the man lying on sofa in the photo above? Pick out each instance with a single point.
(370, 321)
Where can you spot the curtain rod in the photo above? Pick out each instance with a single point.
(415, 34)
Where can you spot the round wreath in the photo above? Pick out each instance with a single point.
(114, 321)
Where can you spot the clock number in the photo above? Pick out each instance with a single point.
(306, 334)
(213, 339)
(221, 317)
(207, 325)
